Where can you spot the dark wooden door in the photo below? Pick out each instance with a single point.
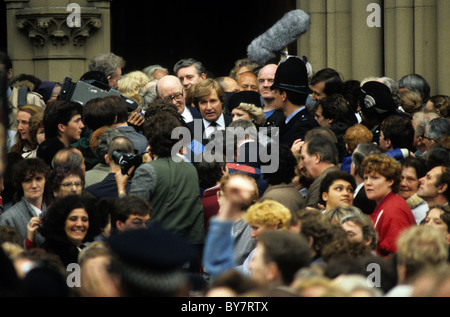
(216, 33)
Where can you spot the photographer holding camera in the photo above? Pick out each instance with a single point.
(119, 146)
(170, 185)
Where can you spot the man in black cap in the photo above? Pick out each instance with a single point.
(376, 104)
(150, 262)
(290, 91)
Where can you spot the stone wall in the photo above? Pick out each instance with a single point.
(412, 37)
(51, 40)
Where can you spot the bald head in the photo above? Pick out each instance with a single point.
(247, 81)
(168, 82)
(169, 87)
(230, 84)
(120, 144)
(69, 154)
(265, 79)
(268, 69)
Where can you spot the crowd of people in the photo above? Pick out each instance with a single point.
(270, 181)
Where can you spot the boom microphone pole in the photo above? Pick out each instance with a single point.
(278, 37)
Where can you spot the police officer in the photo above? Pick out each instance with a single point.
(290, 91)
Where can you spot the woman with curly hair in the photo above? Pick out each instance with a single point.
(439, 104)
(250, 112)
(66, 226)
(132, 84)
(392, 214)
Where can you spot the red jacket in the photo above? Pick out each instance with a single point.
(210, 204)
(390, 217)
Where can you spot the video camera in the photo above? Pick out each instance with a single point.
(126, 161)
(83, 91)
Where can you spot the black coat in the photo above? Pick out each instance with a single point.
(48, 149)
(297, 127)
(67, 252)
(361, 201)
(275, 119)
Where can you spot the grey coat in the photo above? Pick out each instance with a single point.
(139, 141)
(18, 216)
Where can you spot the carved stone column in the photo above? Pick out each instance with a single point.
(43, 41)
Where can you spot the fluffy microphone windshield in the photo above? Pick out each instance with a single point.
(281, 34)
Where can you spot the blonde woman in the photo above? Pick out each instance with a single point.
(130, 85)
(250, 112)
(218, 254)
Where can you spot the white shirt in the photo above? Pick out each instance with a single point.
(187, 115)
(220, 125)
(357, 189)
(36, 210)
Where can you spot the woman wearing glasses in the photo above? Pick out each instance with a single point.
(67, 179)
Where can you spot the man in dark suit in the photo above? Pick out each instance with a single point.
(208, 97)
(108, 186)
(170, 88)
(290, 92)
(63, 126)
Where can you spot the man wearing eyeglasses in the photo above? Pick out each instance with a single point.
(170, 88)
